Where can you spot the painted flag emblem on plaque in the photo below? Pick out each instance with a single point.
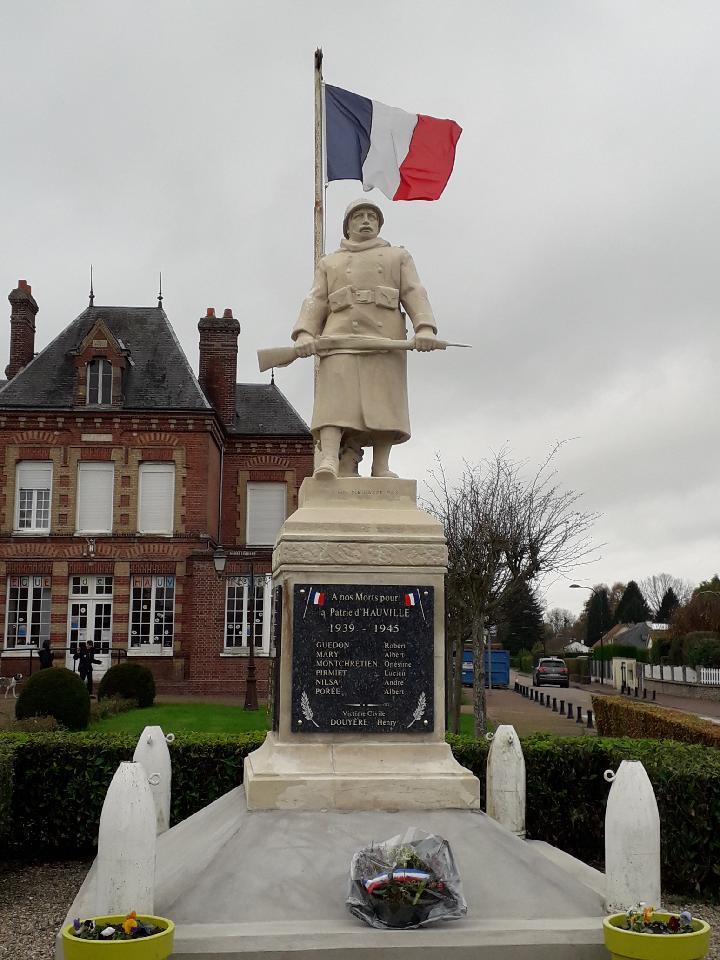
(318, 598)
(410, 599)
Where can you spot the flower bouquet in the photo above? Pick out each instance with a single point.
(139, 937)
(405, 882)
(644, 933)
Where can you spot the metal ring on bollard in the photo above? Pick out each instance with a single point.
(609, 776)
(169, 738)
(154, 779)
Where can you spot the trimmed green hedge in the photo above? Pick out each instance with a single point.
(55, 784)
(6, 789)
(618, 717)
(59, 693)
(132, 681)
(60, 782)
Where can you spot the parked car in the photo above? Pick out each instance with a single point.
(551, 670)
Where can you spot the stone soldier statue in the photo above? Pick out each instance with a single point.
(361, 396)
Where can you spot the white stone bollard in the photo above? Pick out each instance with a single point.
(126, 844)
(632, 840)
(505, 789)
(152, 752)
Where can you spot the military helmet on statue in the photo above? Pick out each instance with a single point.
(357, 205)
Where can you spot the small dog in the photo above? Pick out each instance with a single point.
(10, 683)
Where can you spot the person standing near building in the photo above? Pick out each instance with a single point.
(85, 658)
(45, 655)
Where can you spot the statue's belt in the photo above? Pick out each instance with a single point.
(388, 297)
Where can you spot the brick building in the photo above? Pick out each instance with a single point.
(121, 474)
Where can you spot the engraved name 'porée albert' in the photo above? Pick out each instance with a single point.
(362, 658)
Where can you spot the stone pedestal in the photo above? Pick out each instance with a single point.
(386, 749)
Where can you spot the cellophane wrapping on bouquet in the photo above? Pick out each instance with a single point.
(405, 882)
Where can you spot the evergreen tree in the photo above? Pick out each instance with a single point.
(668, 605)
(712, 585)
(599, 618)
(520, 620)
(632, 607)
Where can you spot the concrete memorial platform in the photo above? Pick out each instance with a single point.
(266, 885)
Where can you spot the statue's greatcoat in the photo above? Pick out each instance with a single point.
(359, 290)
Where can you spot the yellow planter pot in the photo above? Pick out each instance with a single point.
(157, 947)
(627, 945)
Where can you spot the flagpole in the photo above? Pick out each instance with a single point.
(319, 211)
(319, 232)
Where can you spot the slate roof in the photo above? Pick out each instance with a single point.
(159, 377)
(261, 409)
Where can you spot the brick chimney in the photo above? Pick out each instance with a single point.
(218, 361)
(22, 328)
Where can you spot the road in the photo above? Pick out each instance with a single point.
(706, 709)
(529, 716)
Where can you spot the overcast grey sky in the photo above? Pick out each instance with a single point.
(575, 246)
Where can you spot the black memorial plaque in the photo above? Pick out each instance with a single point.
(362, 659)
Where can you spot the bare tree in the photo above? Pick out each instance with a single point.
(655, 587)
(560, 621)
(559, 629)
(502, 529)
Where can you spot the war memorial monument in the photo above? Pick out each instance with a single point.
(357, 753)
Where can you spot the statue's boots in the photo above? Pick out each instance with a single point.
(327, 468)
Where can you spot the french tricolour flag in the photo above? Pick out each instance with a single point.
(408, 156)
(411, 598)
(318, 598)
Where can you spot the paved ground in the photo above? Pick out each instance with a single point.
(529, 716)
(708, 709)
(506, 706)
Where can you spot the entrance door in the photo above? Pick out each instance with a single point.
(90, 618)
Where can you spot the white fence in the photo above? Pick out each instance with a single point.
(683, 674)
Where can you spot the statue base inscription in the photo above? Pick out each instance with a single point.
(362, 659)
(361, 715)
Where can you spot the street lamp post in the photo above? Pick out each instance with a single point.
(593, 591)
(220, 558)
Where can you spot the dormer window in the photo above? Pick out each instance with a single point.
(99, 381)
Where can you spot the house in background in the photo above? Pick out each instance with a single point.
(640, 635)
(122, 473)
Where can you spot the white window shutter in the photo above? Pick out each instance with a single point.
(95, 497)
(266, 508)
(157, 498)
(34, 475)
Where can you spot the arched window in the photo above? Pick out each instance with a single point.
(99, 381)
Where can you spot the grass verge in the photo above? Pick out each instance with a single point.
(185, 718)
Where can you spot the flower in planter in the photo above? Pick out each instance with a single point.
(643, 919)
(129, 929)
